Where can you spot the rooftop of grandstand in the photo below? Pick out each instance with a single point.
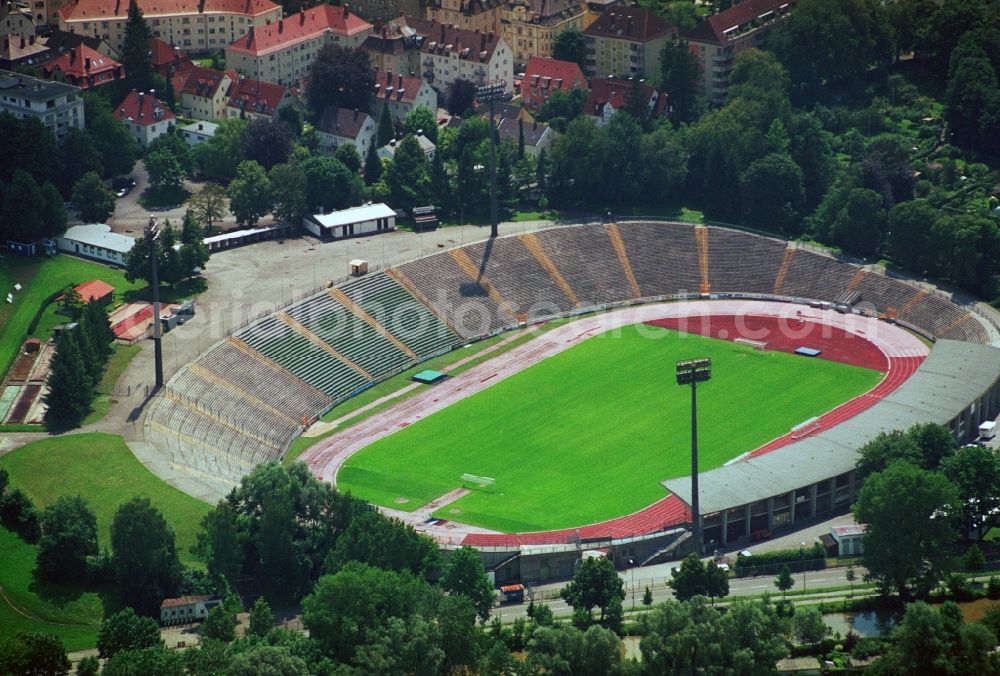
(953, 376)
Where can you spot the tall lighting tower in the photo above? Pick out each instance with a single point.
(151, 232)
(691, 372)
(491, 92)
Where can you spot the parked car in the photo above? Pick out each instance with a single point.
(123, 185)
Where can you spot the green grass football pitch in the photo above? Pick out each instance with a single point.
(588, 434)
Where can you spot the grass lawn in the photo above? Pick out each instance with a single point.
(119, 361)
(70, 613)
(589, 433)
(102, 469)
(41, 278)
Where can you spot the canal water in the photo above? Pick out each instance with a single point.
(878, 623)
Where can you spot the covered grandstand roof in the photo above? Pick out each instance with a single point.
(952, 377)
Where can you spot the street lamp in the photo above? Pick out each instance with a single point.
(691, 372)
(151, 232)
(490, 93)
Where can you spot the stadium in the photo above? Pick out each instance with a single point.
(575, 439)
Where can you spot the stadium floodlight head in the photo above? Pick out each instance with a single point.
(693, 371)
(490, 91)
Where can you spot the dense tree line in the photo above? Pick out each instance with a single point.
(179, 256)
(82, 352)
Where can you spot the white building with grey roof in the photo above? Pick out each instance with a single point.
(57, 105)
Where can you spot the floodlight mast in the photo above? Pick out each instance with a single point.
(691, 372)
(151, 232)
(491, 92)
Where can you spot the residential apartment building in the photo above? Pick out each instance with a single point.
(394, 48)
(16, 19)
(537, 136)
(481, 15)
(83, 67)
(57, 105)
(145, 116)
(205, 93)
(256, 100)
(191, 25)
(282, 52)
(167, 59)
(448, 54)
(381, 12)
(530, 26)
(342, 126)
(402, 94)
(626, 42)
(17, 52)
(545, 75)
(718, 39)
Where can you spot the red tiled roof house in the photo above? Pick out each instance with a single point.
(84, 67)
(145, 116)
(544, 76)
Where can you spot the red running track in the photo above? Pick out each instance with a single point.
(781, 334)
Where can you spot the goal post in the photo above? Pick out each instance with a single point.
(759, 345)
(478, 483)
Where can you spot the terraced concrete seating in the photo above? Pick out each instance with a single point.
(664, 257)
(945, 320)
(403, 316)
(740, 261)
(588, 262)
(259, 379)
(885, 293)
(453, 294)
(278, 341)
(811, 275)
(348, 334)
(519, 278)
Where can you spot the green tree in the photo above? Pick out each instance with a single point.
(219, 156)
(88, 666)
(143, 556)
(562, 107)
(261, 618)
(288, 189)
(859, 223)
(647, 597)
(376, 540)
(18, 513)
(386, 128)
(570, 45)
(595, 583)
(250, 193)
(975, 471)
(78, 156)
(409, 176)
(373, 166)
(566, 651)
(911, 515)
(784, 581)
(464, 574)
(421, 119)
(577, 157)
(220, 543)
(348, 156)
(772, 193)
(267, 142)
(176, 146)
(165, 171)
(461, 95)
(220, 625)
(624, 168)
(69, 382)
(209, 204)
(938, 642)
(69, 536)
(157, 660)
(809, 626)
(53, 212)
(135, 52)
(23, 210)
(330, 185)
(689, 579)
(126, 631)
(974, 558)
(716, 581)
(912, 235)
(340, 76)
(33, 654)
(94, 202)
(680, 74)
(115, 144)
(851, 576)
